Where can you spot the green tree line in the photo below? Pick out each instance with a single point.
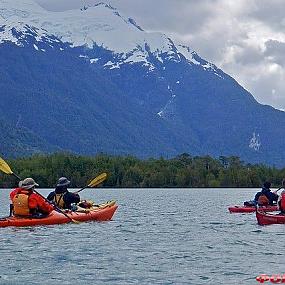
(128, 171)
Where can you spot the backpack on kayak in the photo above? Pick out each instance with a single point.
(263, 200)
(249, 204)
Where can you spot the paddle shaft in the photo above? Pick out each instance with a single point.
(16, 176)
(76, 192)
(279, 189)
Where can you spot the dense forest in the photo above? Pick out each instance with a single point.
(181, 171)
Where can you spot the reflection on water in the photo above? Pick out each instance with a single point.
(157, 236)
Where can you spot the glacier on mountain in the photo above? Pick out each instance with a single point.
(100, 25)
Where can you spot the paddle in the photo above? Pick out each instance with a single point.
(95, 182)
(4, 167)
(282, 187)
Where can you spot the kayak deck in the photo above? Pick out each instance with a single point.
(269, 219)
(250, 209)
(102, 212)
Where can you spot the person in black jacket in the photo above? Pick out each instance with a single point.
(265, 196)
(61, 197)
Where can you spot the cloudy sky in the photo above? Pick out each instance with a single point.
(245, 38)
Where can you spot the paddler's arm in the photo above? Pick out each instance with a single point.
(36, 201)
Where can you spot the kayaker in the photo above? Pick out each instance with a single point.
(25, 202)
(265, 197)
(281, 199)
(61, 197)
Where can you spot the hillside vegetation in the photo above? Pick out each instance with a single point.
(128, 171)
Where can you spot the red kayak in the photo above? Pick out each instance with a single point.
(251, 209)
(269, 219)
(102, 212)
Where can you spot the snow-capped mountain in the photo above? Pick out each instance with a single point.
(99, 24)
(92, 80)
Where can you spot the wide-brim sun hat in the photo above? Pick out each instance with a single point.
(28, 183)
(62, 181)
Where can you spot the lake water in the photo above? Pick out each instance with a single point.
(157, 236)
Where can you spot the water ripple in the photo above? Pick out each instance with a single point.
(158, 236)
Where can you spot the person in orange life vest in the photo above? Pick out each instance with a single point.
(265, 197)
(281, 199)
(61, 197)
(28, 203)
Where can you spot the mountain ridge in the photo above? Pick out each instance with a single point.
(124, 90)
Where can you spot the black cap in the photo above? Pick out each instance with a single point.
(267, 184)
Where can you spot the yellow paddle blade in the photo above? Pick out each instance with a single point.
(99, 179)
(4, 167)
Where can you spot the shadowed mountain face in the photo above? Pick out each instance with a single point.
(17, 141)
(99, 83)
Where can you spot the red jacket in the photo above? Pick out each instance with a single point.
(35, 201)
(282, 201)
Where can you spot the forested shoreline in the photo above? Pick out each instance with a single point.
(127, 171)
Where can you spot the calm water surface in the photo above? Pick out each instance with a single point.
(157, 236)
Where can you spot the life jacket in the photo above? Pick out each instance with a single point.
(262, 200)
(59, 201)
(21, 203)
(282, 202)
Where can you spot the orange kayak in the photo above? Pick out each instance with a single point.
(102, 212)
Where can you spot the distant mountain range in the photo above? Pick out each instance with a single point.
(92, 80)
